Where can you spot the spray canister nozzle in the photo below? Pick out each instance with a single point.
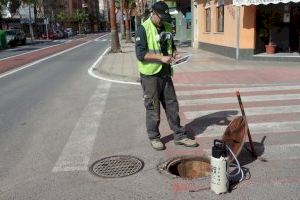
(219, 149)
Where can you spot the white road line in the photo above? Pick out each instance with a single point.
(76, 153)
(255, 128)
(242, 89)
(249, 111)
(43, 59)
(256, 98)
(276, 152)
(29, 52)
(91, 71)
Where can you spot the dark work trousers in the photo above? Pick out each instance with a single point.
(158, 90)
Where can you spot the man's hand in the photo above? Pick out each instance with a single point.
(177, 56)
(166, 59)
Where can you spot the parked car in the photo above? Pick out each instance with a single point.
(69, 31)
(59, 34)
(51, 35)
(15, 37)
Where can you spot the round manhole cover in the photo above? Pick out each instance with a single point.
(117, 166)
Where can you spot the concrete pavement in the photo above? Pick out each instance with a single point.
(56, 121)
(206, 87)
(203, 68)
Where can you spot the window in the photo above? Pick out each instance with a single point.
(207, 17)
(220, 10)
(220, 16)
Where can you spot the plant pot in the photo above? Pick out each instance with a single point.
(270, 48)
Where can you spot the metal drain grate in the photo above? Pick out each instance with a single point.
(117, 166)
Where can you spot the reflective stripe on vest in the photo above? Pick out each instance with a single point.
(150, 68)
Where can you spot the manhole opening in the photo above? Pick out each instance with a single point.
(190, 167)
(117, 166)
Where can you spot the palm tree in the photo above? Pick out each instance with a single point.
(115, 43)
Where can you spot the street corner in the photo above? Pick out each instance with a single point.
(118, 67)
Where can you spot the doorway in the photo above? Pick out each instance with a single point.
(295, 27)
(278, 24)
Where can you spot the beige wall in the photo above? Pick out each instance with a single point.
(228, 37)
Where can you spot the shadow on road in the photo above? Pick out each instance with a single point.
(200, 124)
(245, 157)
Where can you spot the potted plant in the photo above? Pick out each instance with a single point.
(270, 20)
(271, 46)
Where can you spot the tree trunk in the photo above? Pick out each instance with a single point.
(30, 23)
(1, 21)
(35, 27)
(128, 38)
(122, 21)
(115, 43)
(108, 27)
(79, 28)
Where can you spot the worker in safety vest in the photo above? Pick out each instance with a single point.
(155, 51)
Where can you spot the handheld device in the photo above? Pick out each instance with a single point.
(182, 60)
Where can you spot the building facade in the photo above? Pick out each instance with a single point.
(241, 29)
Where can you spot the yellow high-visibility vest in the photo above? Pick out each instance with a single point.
(153, 38)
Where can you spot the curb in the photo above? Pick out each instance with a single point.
(94, 72)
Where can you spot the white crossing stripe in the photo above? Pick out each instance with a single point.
(255, 128)
(233, 90)
(249, 111)
(76, 153)
(276, 152)
(257, 98)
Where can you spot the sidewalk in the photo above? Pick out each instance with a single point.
(204, 68)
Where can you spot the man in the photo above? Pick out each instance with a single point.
(155, 51)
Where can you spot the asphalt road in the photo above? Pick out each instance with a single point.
(56, 120)
(28, 48)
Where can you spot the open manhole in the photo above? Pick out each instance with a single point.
(187, 167)
(117, 166)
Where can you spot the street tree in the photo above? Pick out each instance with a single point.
(13, 6)
(30, 3)
(80, 16)
(127, 22)
(121, 2)
(115, 42)
(61, 17)
(3, 4)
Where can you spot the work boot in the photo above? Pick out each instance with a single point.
(157, 144)
(186, 142)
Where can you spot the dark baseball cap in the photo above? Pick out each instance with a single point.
(162, 9)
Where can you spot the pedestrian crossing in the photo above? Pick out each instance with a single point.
(271, 109)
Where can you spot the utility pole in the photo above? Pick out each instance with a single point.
(237, 51)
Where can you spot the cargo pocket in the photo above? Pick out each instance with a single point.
(149, 102)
